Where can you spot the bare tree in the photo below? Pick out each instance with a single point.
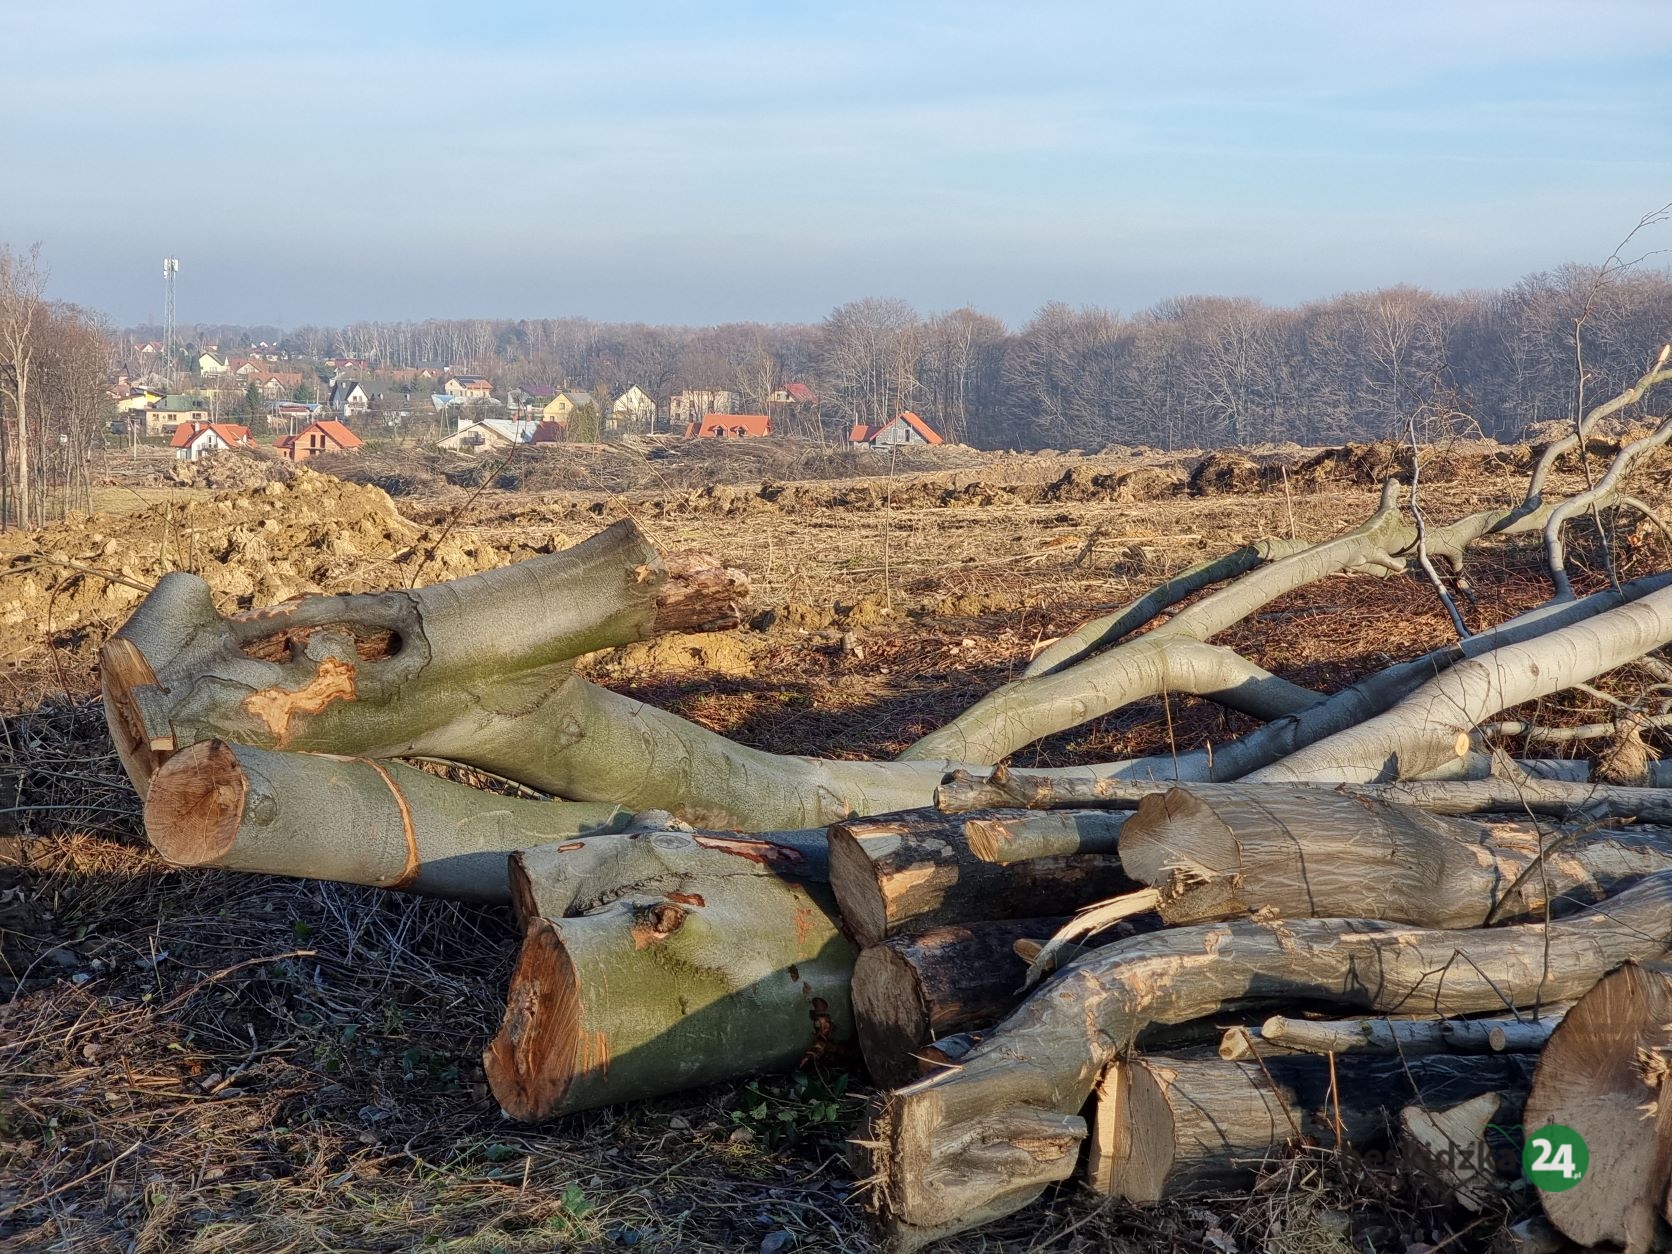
(22, 311)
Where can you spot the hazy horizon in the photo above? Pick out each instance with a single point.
(741, 163)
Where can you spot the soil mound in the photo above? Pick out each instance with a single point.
(1225, 474)
(76, 580)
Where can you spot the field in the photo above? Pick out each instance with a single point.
(208, 1062)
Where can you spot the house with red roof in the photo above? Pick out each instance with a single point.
(327, 435)
(793, 394)
(193, 439)
(729, 426)
(902, 429)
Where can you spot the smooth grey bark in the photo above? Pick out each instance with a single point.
(1435, 724)
(970, 1144)
(354, 820)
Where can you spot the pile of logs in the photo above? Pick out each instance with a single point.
(1356, 927)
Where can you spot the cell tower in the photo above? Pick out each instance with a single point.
(171, 267)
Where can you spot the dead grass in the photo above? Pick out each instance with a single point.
(246, 1065)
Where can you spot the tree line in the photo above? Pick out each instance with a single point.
(1192, 372)
(55, 405)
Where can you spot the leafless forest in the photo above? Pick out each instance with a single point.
(1193, 372)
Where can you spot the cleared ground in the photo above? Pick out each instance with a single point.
(207, 1062)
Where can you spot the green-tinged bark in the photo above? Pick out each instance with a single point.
(713, 962)
(354, 820)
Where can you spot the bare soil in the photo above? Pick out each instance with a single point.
(210, 1062)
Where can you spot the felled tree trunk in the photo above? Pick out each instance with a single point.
(1435, 723)
(910, 990)
(1606, 1075)
(1164, 1128)
(1221, 850)
(916, 870)
(968, 1145)
(354, 820)
(480, 671)
(688, 959)
(1083, 787)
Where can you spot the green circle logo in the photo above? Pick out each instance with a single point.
(1555, 1158)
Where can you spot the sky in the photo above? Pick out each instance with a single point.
(709, 162)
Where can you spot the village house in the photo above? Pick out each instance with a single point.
(193, 439)
(565, 403)
(729, 426)
(904, 428)
(349, 399)
(468, 387)
(792, 394)
(327, 435)
(695, 404)
(489, 434)
(277, 384)
(164, 417)
(634, 410)
(526, 404)
(138, 400)
(209, 365)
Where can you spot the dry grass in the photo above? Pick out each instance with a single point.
(202, 1062)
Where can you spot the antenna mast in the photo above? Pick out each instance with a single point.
(171, 267)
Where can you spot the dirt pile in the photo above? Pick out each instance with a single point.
(227, 471)
(76, 580)
(1227, 474)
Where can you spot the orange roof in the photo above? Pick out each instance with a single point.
(732, 424)
(929, 434)
(230, 432)
(864, 434)
(336, 431)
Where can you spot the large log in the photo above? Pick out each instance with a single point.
(911, 990)
(353, 820)
(918, 869)
(715, 959)
(971, 1144)
(1220, 850)
(1164, 1128)
(1605, 1075)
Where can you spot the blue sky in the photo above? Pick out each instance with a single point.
(698, 163)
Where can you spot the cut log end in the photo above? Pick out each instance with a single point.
(1605, 1074)
(1132, 1154)
(142, 749)
(700, 594)
(891, 1014)
(195, 804)
(531, 1061)
(853, 878)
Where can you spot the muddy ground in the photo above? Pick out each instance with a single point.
(204, 1062)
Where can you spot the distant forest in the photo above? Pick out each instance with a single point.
(1192, 372)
